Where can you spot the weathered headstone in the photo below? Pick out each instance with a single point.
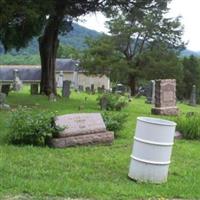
(193, 96)
(81, 129)
(88, 90)
(92, 88)
(5, 89)
(34, 89)
(52, 97)
(80, 88)
(99, 90)
(153, 91)
(150, 92)
(60, 80)
(17, 83)
(104, 103)
(2, 102)
(165, 97)
(66, 88)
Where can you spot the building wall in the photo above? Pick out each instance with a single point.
(87, 81)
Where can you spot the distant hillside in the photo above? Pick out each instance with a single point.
(188, 52)
(75, 38)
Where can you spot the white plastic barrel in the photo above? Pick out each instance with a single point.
(152, 149)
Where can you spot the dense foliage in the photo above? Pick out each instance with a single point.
(114, 121)
(189, 125)
(109, 101)
(27, 127)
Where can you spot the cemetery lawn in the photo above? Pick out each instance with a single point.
(95, 172)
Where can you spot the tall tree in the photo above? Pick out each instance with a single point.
(138, 29)
(191, 74)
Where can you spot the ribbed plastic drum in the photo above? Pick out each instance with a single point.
(152, 149)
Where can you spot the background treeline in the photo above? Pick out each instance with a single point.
(155, 65)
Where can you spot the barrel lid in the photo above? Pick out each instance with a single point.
(157, 121)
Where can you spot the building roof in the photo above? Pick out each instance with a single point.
(62, 64)
(31, 73)
(25, 74)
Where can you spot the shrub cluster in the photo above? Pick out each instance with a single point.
(114, 121)
(189, 125)
(109, 101)
(27, 127)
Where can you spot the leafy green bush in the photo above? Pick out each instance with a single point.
(110, 101)
(114, 121)
(27, 127)
(189, 125)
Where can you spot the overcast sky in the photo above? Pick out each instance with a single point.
(188, 9)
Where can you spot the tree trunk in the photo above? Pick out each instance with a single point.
(132, 84)
(48, 48)
(48, 45)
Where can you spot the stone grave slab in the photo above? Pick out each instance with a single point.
(81, 129)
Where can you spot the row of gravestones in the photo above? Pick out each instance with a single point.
(150, 91)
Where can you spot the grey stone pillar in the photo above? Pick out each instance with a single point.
(34, 89)
(66, 88)
(193, 96)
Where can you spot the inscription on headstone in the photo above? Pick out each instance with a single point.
(77, 124)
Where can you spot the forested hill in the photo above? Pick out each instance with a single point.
(75, 38)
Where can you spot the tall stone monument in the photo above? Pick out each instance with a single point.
(34, 89)
(66, 88)
(60, 80)
(165, 97)
(17, 83)
(193, 96)
(150, 92)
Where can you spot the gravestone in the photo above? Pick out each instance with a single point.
(5, 89)
(193, 96)
(81, 129)
(80, 88)
(66, 88)
(52, 97)
(99, 90)
(34, 89)
(165, 97)
(17, 83)
(88, 90)
(104, 103)
(150, 92)
(60, 80)
(3, 106)
(92, 88)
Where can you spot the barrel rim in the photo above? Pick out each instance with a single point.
(156, 121)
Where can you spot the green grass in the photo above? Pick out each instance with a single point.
(96, 172)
